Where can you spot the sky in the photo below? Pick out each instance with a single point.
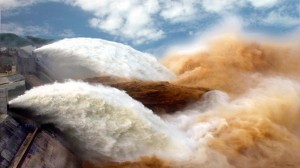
(146, 25)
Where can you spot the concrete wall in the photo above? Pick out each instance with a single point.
(15, 89)
(14, 86)
(3, 100)
(26, 63)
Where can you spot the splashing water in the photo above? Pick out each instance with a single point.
(104, 123)
(234, 64)
(260, 105)
(78, 58)
(251, 119)
(257, 129)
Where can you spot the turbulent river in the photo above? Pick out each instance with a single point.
(250, 118)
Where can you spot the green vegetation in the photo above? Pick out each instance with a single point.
(13, 40)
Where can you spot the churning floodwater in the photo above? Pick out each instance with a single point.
(250, 118)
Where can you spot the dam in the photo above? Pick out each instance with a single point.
(24, 143)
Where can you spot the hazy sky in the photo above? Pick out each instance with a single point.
(147, 25)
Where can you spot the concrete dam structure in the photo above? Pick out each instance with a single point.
(24, 143)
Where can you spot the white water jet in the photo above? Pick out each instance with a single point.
(104, 123)
(78, 58)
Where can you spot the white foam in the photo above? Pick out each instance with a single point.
(105, 123)
(87, 57)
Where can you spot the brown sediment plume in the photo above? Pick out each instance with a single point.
(107, 80)
(144, 162)
(262, 130)
(162, 97)
(262, 126)
(256, 142)
(233, 64)
(253, 141)
(262, 113)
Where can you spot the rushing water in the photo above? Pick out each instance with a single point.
(250, 119)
